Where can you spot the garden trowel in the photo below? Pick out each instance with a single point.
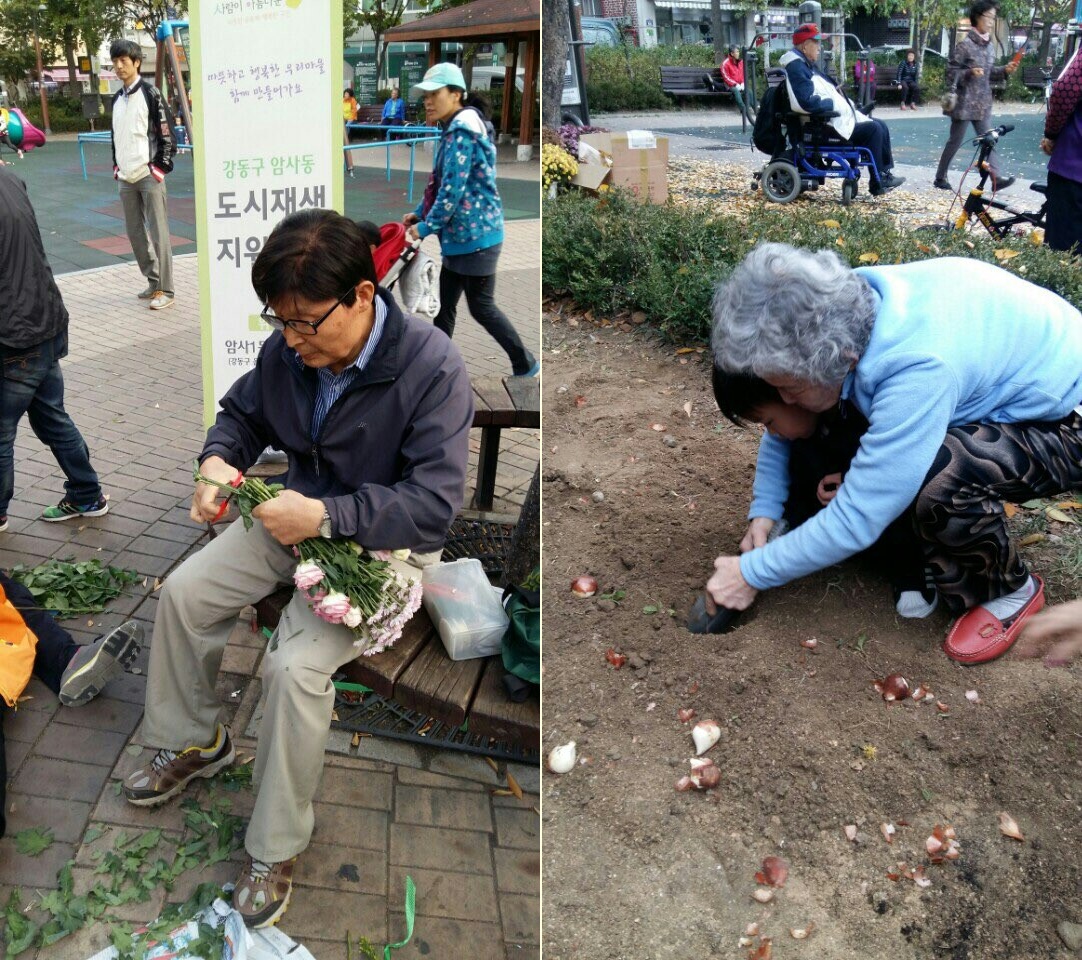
(700, 620)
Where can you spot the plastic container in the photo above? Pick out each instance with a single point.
(465, 608)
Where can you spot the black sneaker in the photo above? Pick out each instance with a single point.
(942, 183)
(886, 182)
(95, 664)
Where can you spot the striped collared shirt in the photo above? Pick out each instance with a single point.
(332, 385)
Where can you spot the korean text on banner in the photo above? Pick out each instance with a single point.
(267, 79)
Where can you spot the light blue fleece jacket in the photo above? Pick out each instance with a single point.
(467, 214)
(955, 341)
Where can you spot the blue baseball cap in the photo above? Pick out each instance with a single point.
(441, 75)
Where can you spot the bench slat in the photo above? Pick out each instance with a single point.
(525, 393)
(492, 391)
(482, 411)
(435, 685)
(383, 671)
(494, 715)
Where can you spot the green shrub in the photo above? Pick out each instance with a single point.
(629, 78)
(65, 114)
(615, 253)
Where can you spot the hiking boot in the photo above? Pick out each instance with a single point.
(942, 183)
(886, 182)
(169, 771)
(95, 664)
(66, 510)
(262, 892)
(161, 300)
(149, 294)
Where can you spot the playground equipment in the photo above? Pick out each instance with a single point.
(171, 37)
(18, 133)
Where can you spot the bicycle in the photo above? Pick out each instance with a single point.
(1047, 74)
(977, 205)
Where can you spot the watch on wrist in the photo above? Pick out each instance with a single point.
(325, 525)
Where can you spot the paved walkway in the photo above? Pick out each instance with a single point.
(384, 809)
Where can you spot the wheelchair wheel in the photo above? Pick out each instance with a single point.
(849, 190)
(781, 181)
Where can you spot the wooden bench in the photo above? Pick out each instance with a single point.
(499, 403)
(417, 674)
(1033, 77)
(691, 82)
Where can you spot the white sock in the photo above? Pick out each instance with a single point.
(1003, 608)
(912, 605)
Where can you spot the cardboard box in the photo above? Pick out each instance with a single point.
(591, 176)
(640, 161)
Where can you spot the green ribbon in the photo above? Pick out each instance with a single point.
(411, 909)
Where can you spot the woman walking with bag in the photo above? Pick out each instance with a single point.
(462, 207)
(970, 77)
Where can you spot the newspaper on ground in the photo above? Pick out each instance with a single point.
(240, 943)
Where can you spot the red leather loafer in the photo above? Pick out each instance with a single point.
(978, 637)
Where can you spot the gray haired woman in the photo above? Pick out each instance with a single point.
(962, 416)
(970, 75)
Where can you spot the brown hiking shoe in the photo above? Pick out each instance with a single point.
(169, 772)
(263, 890)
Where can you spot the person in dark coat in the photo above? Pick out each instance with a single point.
(970, 74)
(907, 80)
(76, 674)
(33, 340)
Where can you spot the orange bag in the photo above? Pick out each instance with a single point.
(17, 643)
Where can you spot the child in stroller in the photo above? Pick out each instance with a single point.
(396, 261)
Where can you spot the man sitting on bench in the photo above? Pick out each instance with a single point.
(812, 92)
(374, 410)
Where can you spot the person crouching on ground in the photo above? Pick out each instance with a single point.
(76, 674)
(812, 92)
(971, 381)
(804, 474)
(374, 409)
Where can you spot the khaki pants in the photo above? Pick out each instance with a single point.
(197, 610)
(146, 218)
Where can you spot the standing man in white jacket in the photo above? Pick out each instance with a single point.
(143, 149)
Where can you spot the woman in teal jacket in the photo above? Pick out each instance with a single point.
(462, 207)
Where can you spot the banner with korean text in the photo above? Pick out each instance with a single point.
(266, 86)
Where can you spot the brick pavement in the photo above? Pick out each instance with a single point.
(386, 809)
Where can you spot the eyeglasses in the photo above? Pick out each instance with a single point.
(306, 327)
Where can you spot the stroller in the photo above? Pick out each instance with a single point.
(402, 262)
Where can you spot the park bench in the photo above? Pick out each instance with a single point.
(418, 692)
(1033, 78)
(691, 82)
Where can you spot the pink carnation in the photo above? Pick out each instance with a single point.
(332, 608)
(307, 575)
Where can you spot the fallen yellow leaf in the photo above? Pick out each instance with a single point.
(512, 783)
(830, 224)
(869, 258)
(1031, 539)
(684, 350)
(840, 241)
(1069, 505)
(1004, 254)
(1036, 237)
(1010, 509)
(1053, 514)
(356, 741)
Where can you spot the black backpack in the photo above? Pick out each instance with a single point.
(767, 134)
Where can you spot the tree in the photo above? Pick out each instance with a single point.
(379, 16)
(554, 40)
(17, 58)
(715, 30)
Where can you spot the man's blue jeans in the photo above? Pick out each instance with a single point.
(33, 384)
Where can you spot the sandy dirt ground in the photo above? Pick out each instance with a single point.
(644, 484)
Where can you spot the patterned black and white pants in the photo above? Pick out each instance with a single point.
(959, 514)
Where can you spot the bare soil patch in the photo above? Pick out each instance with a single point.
(633, 869)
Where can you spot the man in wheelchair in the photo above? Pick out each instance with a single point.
(813, 93)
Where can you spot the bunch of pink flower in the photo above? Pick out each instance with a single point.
(358, 590)
(344, 583)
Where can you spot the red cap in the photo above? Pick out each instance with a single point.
(806, 31)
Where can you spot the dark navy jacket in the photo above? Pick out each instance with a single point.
(390, 459)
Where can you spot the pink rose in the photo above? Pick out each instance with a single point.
(332, 608)
(307, 575)
(353, 617)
